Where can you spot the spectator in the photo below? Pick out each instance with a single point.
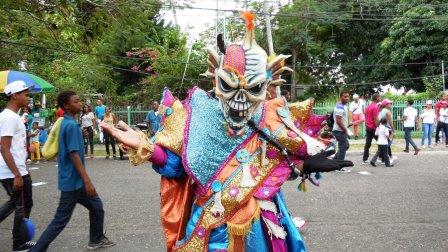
(357, 110)
(372, 121)
(386, 106)
(383, 133)
(59, 112)
(110, 119)
(88, 125)
(100, 111)
(14, 175)
(73, 181)
(153, 118)
(340, 127)
(443, 120)
(409, 118)
(438, 106)
(428, 120)
(34, 143)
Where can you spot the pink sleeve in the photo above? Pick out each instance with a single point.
(159, 156)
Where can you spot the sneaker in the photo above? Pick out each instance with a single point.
(422, 147)
(372, 164)
(431, 146)
(365, 162)
(103, 243)
(344, 170)
(24, 247)
(28, 161)
(37, 162)
(407, 151)
(299, 222)
(416, 151)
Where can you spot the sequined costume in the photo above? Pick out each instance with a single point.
(221, 179)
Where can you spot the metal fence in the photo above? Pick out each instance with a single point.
(137, 115)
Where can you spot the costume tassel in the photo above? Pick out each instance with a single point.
(302, 186)
(264, 161)
(318, 176)
(217, 208)
(247, 180)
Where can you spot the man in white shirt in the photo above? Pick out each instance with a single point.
(13, 172)
(340, 127)
(357, 110)
(409, 118)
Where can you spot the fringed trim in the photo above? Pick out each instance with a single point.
(267, 206)
(244, 228)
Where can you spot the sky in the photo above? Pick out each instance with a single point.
(195, 21)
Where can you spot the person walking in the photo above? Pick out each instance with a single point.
(73, 181)
(153, 119)
(372, 121)
(100, 111)
(14, 175)
(383, 142)
(437, 107)
(429, 118)
(409, 119)
(443, 120)
(386, 107)
(110, 119)
(357, 109)
(340, 127)
(88, 125)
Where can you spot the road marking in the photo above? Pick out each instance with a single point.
(364, 173)
(39, 183)
(34, 168)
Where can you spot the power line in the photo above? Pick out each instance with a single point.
(66, 50)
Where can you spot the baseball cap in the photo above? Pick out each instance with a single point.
(429, 102)
(15, 87)
(355, 96)
(386, 102)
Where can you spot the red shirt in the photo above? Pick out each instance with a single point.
(437, 107)
(372, 112)
(60, 113)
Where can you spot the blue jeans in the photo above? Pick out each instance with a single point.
(343, 144)
(427, 133)
(64, 212)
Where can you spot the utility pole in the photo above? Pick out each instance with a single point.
(443, 76)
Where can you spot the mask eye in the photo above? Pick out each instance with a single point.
(224, 86)
(256, 89)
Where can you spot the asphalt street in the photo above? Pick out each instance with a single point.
(404, 208)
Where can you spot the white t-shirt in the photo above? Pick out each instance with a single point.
(12, 125)
(443, 115)
(87, 120)
(428, 116)
(410, 113)
(383, 134)
(357, 107)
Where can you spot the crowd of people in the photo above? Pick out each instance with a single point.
(379, 125)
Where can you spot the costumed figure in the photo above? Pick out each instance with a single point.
(224, 157)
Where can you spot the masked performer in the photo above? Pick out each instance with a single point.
(224, 159)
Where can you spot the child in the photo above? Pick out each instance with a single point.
(74, 183)
(383, 133)
(34, 143)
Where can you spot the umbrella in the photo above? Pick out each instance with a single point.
(35, 83)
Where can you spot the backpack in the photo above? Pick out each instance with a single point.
(50, 149)
(330, 119)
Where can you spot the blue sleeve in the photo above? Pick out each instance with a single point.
(173, 166)
(72, 137)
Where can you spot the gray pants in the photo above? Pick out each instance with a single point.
(343, 144)
(408, 138)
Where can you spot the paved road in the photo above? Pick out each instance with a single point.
(404, 208)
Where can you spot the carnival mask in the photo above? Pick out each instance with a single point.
(241, 76)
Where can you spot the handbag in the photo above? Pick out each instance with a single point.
(27, 228)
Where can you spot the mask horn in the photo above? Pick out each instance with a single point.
(220, 43)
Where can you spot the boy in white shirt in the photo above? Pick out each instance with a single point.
(409, 117)
(383, 133)
(13, 172)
